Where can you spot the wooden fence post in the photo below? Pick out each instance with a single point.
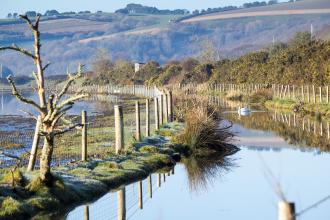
(86, 212)
(119, 128)
(150, 185)
(121, 199)
(165, 107)
(293, 93)
(159, 182)
(286, 211)
(308, 95)
(170, 106)
(140, 194)
(35, 144)
(156, 113)
(84, 136)
(303, 124)
(147, 119)
(137, 122)
(161, 108)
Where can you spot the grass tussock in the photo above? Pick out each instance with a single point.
(204, 128)
(12, 177)
(10, 208)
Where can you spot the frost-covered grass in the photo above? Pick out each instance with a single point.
(84, 181)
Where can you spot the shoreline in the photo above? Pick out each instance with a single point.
(83, 182)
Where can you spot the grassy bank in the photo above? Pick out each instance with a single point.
(265, 98)
(23, 196)
(290, 105)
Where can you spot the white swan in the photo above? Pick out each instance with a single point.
(244, 111)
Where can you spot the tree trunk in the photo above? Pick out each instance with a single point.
(46, 157)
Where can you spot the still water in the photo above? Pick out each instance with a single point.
(9, 105)
(273, 155)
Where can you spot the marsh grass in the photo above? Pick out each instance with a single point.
(204, 128)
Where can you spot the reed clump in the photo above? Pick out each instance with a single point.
(205, 130)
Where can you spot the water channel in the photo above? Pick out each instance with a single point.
(275, 156)
(278, 151)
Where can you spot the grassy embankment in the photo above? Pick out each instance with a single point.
(25, 196)
(289, 105)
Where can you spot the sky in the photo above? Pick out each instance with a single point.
(21, 6)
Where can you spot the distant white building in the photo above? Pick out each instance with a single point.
(137, 66)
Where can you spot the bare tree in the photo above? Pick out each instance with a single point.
(51, 110)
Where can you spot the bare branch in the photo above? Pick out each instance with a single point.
(20, 97)
(50, 107)
(36, 24)
(10, 156)
(71, 100)
(59, 114)
(28, 21)
(19, 49)
(71, 79)
(29, 113)
(62, 131)
(46, 66)
(35, 76)
(57, 118)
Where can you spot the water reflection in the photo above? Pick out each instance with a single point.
(201, 171)
(298, 130)
(122, 203)
(305, 132)
(97, 104)
(242, 193)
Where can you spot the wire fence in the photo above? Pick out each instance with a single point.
(16, 136)
(304, 93)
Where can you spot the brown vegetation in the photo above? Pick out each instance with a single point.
(204, 131)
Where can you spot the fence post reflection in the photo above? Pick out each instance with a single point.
(121, 199)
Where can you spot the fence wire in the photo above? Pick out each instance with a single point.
(16, 134)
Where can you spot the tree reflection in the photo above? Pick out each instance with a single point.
(303, 132)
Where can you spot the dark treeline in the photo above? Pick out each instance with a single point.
(141, 9)
(303, 60)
